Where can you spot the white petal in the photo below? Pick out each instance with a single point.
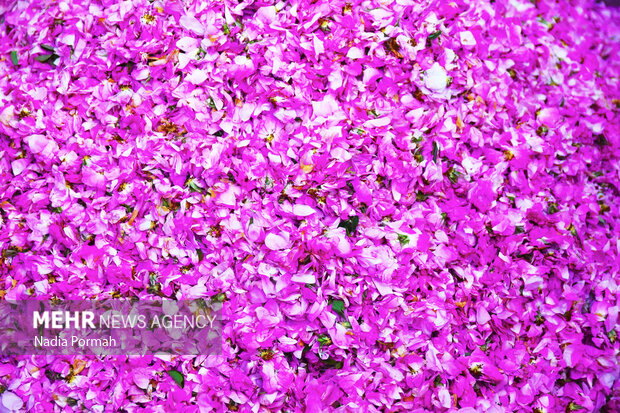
(192, 24)
(11, 401)
(37, 143)
(187, 44)
(19, 165)
(266, 14)
(354, 53)
(276, 242)
(303, 210)
(304, 278)
(467, 39)
(318, 46)
(197, 77)
(436, 78)
(375, 123)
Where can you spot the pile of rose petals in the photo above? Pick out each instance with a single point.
(403, 205)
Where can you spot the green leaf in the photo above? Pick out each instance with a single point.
(47, 47)
(350, 225)
(403, 239)
(333, 363)
(226, 29)
(542, 130)
(193, 186)
(338, 306)
(324, 340)
(435, 151)
(574, 407)
(218, 298)
(10, 253)
(572, 229)
(512, 73)
(601, 140)
(43, 58)
(435, 35)
(201, 254)
(177, 377)
(14, 58)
